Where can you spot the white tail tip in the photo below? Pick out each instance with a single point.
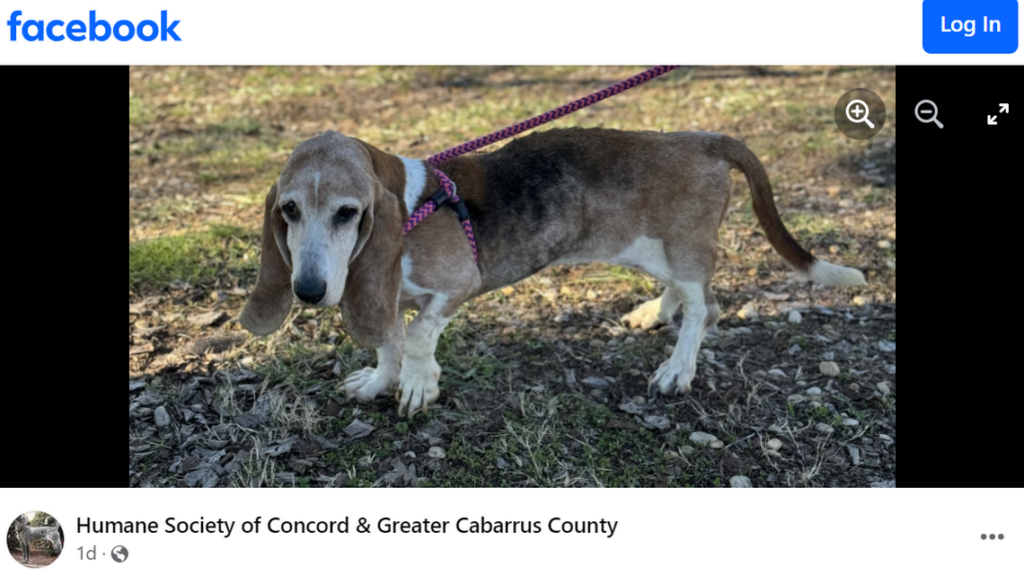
(831, 275)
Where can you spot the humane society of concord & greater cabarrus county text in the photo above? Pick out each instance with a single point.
(385, 525)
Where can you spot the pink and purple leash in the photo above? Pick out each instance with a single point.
(448, 194)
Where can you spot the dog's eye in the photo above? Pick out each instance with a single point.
(345, 213)
(291, 210)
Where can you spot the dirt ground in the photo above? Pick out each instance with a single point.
(541, 383)
(36, 558)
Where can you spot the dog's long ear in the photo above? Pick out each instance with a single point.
(369, 305)
(271, 300)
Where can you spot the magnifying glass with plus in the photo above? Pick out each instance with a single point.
(857, 112)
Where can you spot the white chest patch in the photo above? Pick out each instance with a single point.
(408, 287)
(415, 181)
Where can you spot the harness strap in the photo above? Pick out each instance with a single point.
(447, 194)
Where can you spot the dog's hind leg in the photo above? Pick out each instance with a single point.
(676, 373)
(366, 384)
(655, 312)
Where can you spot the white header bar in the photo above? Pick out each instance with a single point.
(747, 32)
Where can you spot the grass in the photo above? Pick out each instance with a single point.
(198, 257)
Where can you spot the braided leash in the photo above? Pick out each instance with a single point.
(448, 194)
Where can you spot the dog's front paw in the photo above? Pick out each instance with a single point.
(366, 384)
(672, 377)
(417, 388)
(646, 315)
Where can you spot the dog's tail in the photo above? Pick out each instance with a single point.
(764, 207)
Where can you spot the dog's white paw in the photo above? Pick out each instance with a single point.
(366, 384)
(646, 315)
(673, 377)
(417, 387)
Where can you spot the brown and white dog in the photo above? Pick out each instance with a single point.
(332, 233)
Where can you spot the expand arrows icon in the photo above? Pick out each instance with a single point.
(1004, 108)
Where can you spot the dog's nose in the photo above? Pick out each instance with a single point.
(310, 290)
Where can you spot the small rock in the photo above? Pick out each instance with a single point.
(884, 244)
(508, 290)
(595, 343)
(795, 317)
(886, 346)
(591, 295)
(134, 385)
(861, 300)
(776, 373)
(657, 422)
(886, 439)
(501, 463)
(640, 400)
(629, 340)
(717, 445)
(595, 382)
(884, 388)
(702, 438)
(748, 312)
(850, 422)
(854, 454)
(829, 368)
(740, 482)
(813, 391)
(160, 417)
(744, 330)
(794, 350)
(409, 454)
(775, 444)
(436, 452)
(687, 450)
(824, 428)
(631, 407)
(854, 387)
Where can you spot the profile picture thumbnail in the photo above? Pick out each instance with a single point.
(35, 539)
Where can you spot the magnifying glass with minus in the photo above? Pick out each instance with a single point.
(930, 112)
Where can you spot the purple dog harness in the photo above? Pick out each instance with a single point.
(447, 193)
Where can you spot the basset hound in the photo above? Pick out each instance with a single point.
(333, 234)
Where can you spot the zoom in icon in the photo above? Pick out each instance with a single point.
(860, 114)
